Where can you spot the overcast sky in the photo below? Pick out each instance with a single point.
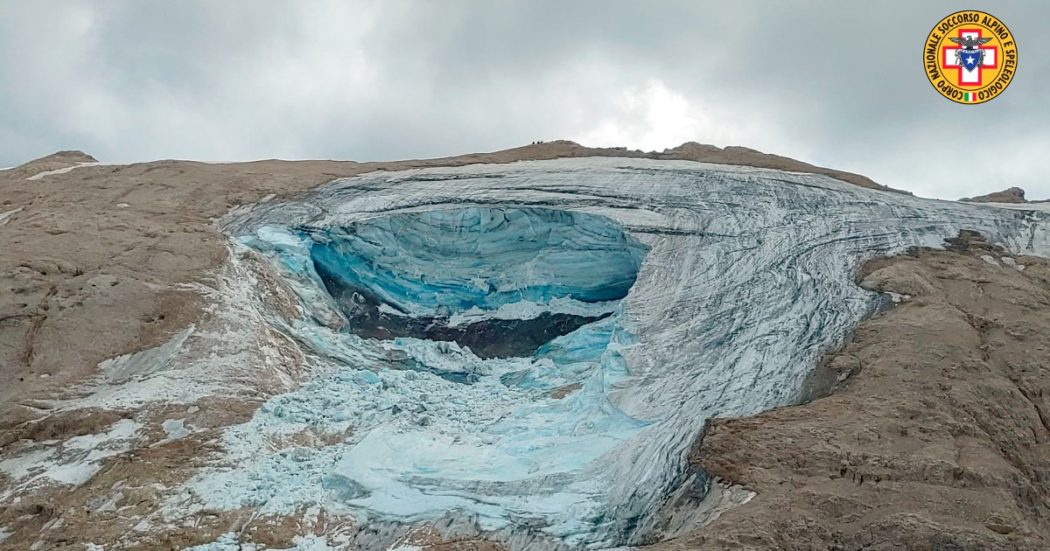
(830, 82)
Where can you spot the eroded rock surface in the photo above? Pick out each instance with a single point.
(1009, 195)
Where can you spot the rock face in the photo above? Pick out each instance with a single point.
(1009, 195)
(938, 439)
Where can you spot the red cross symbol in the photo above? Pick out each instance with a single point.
(974, 77)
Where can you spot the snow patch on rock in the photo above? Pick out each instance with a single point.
(71, 462)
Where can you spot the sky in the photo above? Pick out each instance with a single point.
(834, 83)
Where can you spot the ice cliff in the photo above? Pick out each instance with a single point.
(531, 349)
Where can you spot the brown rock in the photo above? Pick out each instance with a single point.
(1008, 195)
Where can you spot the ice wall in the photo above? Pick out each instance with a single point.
(741, 279)
(453, 260)
(499, 280)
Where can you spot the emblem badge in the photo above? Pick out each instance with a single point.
(970, 57)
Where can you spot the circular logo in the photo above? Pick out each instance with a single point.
(970, 57)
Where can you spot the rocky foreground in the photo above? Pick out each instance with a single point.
(1009, 195)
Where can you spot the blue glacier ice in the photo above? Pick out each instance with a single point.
(693, 291)
(442, 261)
(501, 281)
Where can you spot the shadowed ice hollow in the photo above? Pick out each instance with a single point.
(502, 281)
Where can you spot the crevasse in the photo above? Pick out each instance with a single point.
(531, 349)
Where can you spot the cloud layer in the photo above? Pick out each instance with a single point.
(829, 82)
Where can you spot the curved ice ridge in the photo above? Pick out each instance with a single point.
(747, 280)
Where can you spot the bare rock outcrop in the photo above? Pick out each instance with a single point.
(1008, 195)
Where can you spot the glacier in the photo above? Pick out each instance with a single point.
(531, 350)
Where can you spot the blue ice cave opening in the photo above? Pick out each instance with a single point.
(502, 281)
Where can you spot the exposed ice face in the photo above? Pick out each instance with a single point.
(741, 279)
(440, 261)
(500, 280)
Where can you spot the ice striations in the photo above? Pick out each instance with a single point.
(531, 349)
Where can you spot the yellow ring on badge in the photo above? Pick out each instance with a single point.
(970, 57)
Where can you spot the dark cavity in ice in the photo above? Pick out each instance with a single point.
(443, 275)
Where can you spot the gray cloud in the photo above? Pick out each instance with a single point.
(830, 82)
